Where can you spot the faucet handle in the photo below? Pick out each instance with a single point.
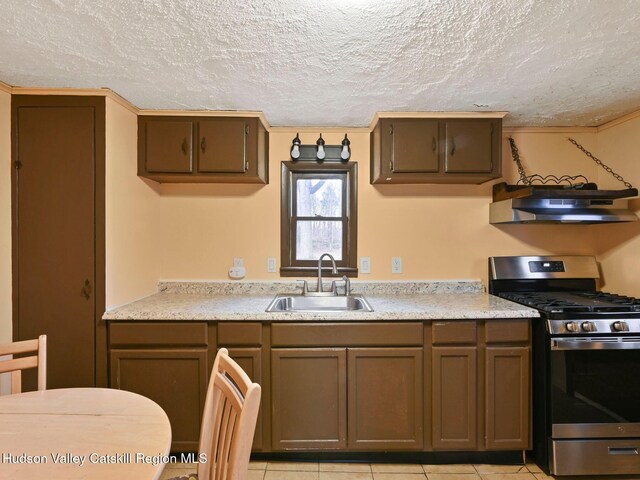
(305, 286)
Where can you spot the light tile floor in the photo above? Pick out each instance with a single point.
(374, 471)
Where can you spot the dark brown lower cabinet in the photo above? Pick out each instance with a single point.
(385, 398)
(508, 397)
(176, 379)
(454, 398)
(308, 398)
(442, 385)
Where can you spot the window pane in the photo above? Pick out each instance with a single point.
(315, 238)
(319, 197)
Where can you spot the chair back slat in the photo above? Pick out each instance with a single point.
(229, 420)
(16, 365)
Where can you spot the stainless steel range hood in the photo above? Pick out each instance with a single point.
(540, 204)
(547, 210)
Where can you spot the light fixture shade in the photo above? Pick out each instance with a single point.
(320, 153)
(295, 148)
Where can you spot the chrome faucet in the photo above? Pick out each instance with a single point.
(334, 270)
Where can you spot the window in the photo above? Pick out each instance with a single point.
(319, 215)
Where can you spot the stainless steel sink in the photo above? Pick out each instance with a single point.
(333, 303)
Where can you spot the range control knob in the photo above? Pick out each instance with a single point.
(572, 327)
(620, 326)
(589, 327)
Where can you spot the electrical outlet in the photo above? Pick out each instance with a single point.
(238, 262)
(365, 264)
(272, 265)
(396, 265)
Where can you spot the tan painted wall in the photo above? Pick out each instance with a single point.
(5, 217)
(618, 246)
(132, 208)
(440, 231)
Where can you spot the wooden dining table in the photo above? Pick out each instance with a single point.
(82, 433)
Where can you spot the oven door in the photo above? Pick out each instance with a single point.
(595, 387)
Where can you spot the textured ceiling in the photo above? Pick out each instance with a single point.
(336, 62)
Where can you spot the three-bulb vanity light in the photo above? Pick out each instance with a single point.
(322, 152)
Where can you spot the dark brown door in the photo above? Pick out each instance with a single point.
(250, 361)
(174, 379)
(508, 398)
(385, 398)
(222, 145)
(56, 197)
(414, 146)
(168, 145)
(469, 146)
(454, 400)
(309, 398)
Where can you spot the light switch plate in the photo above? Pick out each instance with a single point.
(396, 265)
(272, 265)
(365, 264)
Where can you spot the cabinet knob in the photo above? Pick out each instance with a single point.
(434, 145)
(184, 146)
(203, 144)
(453, 146)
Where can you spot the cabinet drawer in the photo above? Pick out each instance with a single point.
(158, 334)
(509, 330)
(454, 333)
(243, 334)
(346, 334)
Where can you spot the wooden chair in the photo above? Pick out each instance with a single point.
(228, 422)
(16, 365)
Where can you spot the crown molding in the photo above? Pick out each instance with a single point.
(380, 115)
(83, 92)
(619, 120)
(208, 113)
(511, 130)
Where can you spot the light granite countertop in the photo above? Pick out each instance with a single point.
(390, 301)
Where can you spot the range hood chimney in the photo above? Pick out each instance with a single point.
(554, 204)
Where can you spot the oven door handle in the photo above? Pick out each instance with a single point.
(612, 343)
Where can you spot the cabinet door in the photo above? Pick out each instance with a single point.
(414, 146)
(174, 379)
(469, 146)
(222, 145)
(454, 402)
(250, 361)
(308, 398)
(508, 397)
(385, 398)
(167, 145)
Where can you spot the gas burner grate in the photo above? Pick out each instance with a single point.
(575, 302)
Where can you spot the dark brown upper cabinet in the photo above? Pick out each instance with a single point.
(435, 150)
(183, 149)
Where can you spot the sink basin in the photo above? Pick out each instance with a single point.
(334, 303)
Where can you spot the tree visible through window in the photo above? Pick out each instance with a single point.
(318, 216)
(321, 200)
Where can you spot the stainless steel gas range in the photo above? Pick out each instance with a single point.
(586, 364)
